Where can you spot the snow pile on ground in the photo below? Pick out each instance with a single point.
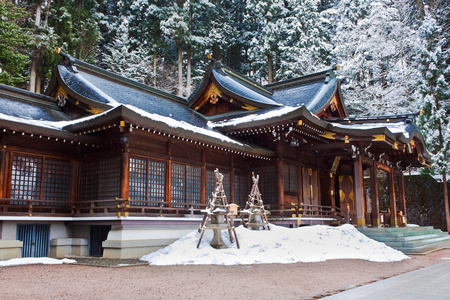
(279, 245)
(35, 260)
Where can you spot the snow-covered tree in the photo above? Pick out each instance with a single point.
(374, 47)
(266, 24)
(305, 46)
(435, 89)
(174, 27)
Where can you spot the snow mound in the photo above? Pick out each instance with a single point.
(279, 245)
(35, 261)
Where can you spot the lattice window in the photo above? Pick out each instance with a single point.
(26, 178)
(38, 178)
(178, 184)
(290, 178)
(240, 190)
(100, 179)
(89, 181)
(56, 182)
(156, 181)
(109, 177)
(210, 184)
(138, 181)
(267, 184)
(193, 186)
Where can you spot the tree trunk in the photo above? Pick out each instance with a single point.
(154, 69)
(180, 69)
(270, 68)
(47, 12)
(189, 56)
(34, 56)
(447, 211)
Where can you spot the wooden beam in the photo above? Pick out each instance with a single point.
(392, 202)
(169, 173)
(359, 191)
(401, 193)
(332, 191)
(280, 187)
(2, 165)
(125, 178)
(375, 198)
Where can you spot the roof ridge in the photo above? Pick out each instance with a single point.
(73, 62)
(302, 79)
(245, 79)
(30, 96)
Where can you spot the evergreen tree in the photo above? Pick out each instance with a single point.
(266, 21)
(15, 45)
(174, 27)
(75, 22)
(305, 45)
(435, 89)
(374, 47)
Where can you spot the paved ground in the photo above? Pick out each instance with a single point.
(428, 283)
(265, 281)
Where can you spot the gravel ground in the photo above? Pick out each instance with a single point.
(269, 281)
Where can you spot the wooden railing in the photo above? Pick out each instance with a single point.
(127, 207)
(307, 210)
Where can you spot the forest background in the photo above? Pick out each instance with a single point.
(393, 55)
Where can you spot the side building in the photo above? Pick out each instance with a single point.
(103, 165)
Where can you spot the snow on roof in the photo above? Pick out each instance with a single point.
(184, 125)
(257, 116)
(279, 245)
(398, 127)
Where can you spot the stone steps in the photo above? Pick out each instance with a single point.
(410, 240)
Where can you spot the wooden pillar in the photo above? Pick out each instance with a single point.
(2, 166)
(169, 173)
(332, 195)
(300, 185)
(125, 178)
(401, 193)
(359, 191)
(280, 187)
(375, 197)
(203, 179)
(392, 202)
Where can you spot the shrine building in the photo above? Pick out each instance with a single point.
(105, 166)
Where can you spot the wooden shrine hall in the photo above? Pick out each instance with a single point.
(103, 165)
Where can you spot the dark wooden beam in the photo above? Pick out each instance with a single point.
(392, 202)
(359, 191)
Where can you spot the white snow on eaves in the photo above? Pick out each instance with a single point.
(399, 127)
(183, 125)
(254, 117)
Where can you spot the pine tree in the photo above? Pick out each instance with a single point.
(174, 27)
(435, 89)
(15, 45)
(374, 47)
(266, 23)
(305, 45)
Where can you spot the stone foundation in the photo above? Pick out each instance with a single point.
(60, 248)
(10, 249)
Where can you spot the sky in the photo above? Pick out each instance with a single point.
(278, 245)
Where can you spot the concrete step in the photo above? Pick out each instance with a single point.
(410, 240)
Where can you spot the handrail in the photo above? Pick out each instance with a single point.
(123, 207)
